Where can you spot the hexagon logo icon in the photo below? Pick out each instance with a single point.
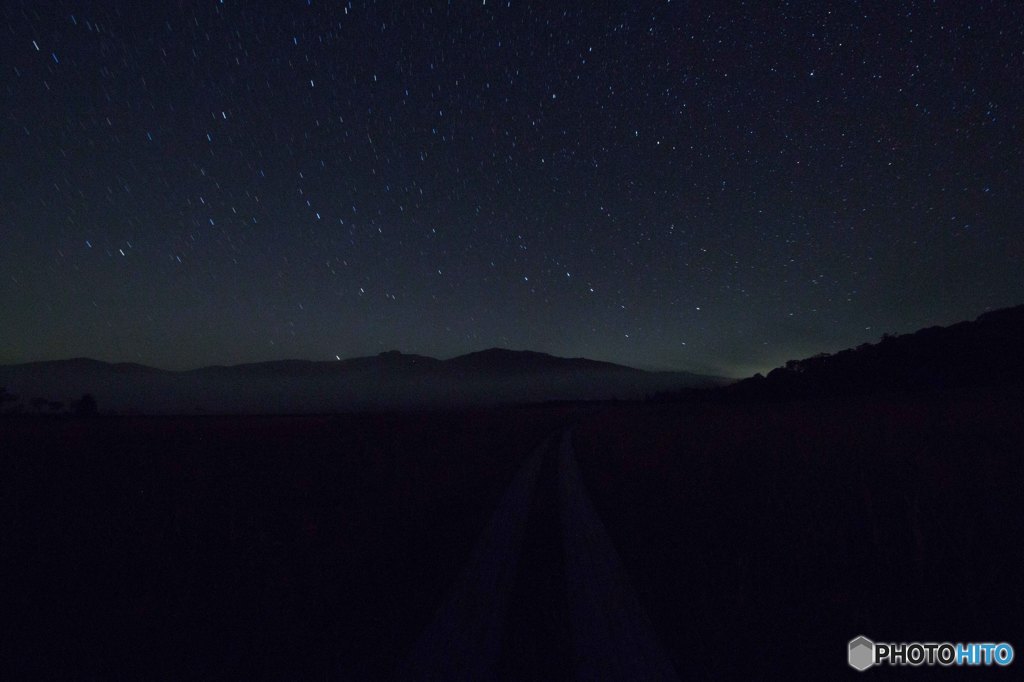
(861, 653)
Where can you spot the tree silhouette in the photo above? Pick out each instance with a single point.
(6, 397)
(86, 406)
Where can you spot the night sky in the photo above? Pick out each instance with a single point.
(711, 186)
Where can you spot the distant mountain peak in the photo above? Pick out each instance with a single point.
(390, 379)
(507, 360)
(497, 352)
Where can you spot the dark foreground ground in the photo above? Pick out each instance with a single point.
(762, 538)
(758, 538)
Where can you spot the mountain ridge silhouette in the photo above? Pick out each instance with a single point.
(387, 380)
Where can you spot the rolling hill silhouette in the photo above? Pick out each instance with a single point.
(389, 380)
(983, 354)
(504, 361)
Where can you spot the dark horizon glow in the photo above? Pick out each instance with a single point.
(672, 185)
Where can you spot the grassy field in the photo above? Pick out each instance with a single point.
(764, 537)
(244, 547)
(759, 537)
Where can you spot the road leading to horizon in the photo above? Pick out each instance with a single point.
(544, 594)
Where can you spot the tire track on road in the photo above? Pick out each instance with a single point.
(612, 637)
(464, 640)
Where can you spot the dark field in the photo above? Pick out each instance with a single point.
(759, 538)
(274, 547)
(762, 538)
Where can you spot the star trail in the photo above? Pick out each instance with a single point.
(703, 186)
